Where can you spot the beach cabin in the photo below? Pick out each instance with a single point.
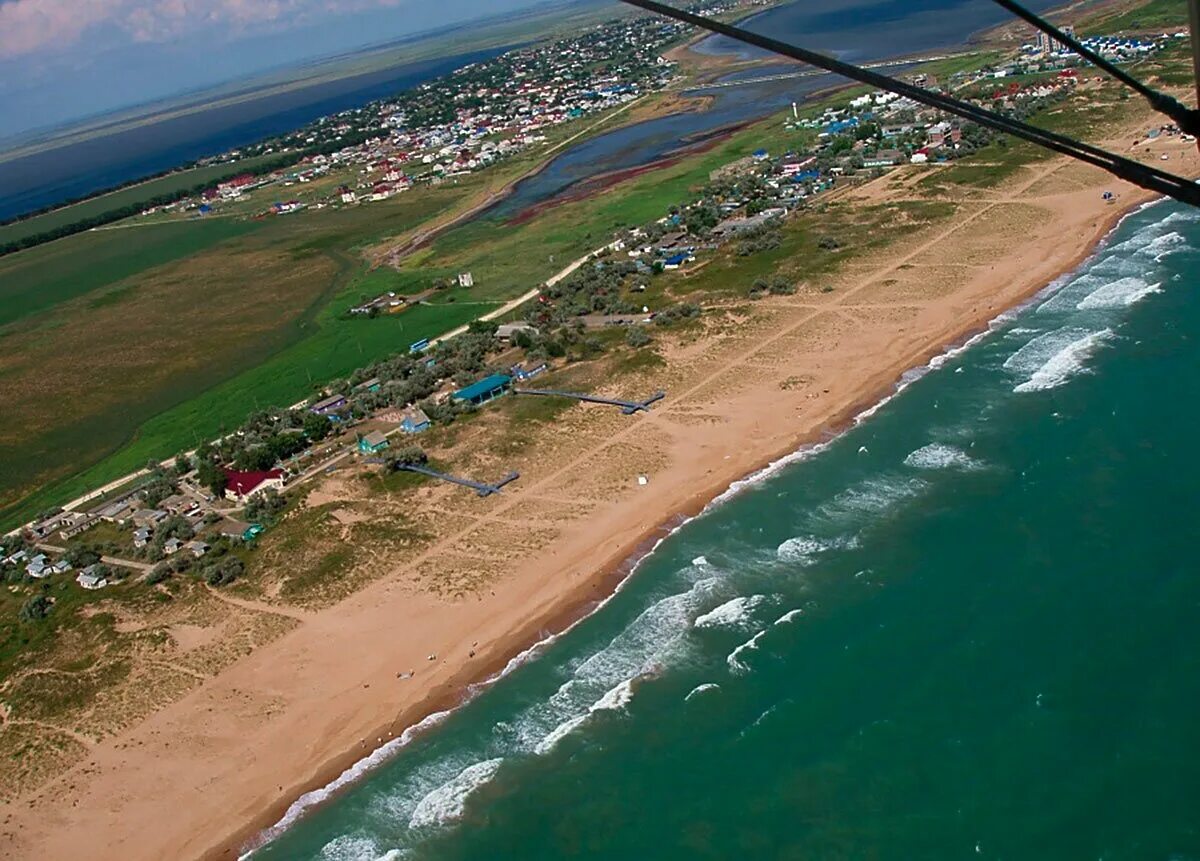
(372, 443)
(487, 389)
(92, 577)
(677, 260)
(414, 421)
(328, 405)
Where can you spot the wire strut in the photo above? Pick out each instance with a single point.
(1146, 176)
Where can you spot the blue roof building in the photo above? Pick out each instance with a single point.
(487, 389)
(414, 421)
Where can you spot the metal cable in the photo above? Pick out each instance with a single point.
(1186, 118)
(1146, 176)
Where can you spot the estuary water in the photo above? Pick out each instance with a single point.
(966, 628)
(860, 31)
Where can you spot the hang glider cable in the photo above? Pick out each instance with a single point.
(1146, 176)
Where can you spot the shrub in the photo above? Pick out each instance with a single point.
(637, 336)
(781, 286)
(828, 243)
(409, 455)
(158, 574)
(35, 609)
(225, 571)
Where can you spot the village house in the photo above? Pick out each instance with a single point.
(414, 420)
(372, 443)
(329, 405)
(242, 485)
(92, 577)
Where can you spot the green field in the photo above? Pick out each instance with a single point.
(130, 196)
(109, 334)
(1151, 16)
(39, 279)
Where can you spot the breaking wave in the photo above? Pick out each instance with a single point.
(941, 456)
(1119, 294)
(735, 613)
(734, 660)
(699, 689)
(1070, 351)
(447, 803)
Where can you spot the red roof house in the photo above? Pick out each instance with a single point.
(240, 484)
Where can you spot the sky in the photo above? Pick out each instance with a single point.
(62, 60)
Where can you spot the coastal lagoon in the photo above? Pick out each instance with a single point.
(861, 32)
(963, 628)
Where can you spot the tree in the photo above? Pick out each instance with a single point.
(81, 556)
(316, 427)
(209, 475)
(182, 464)
(35, 609)
(265, 507)
(158, 573)
(158, 489)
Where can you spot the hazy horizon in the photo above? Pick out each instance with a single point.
(65, 61)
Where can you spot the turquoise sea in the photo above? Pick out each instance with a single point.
(967, 628)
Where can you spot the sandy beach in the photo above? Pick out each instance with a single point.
(203, 775)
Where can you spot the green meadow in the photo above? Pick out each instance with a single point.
(132, 195)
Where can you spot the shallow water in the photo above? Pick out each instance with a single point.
(965, 628)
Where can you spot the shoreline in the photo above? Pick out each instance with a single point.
(292, 715)
(610, 576)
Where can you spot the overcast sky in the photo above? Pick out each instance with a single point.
(65, 59)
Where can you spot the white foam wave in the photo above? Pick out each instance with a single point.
(735, 613)
(870, 499)
(941, 456)
(447, 802)
(350, 847)
(700, 562)
(1119, 294)
(560, 732)
(807, 549)
(699, 689)
(1066, 363)
(789, 616)
(615, 699)
(734, 660)
(375, 758)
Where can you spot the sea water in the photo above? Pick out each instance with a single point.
(967, 628)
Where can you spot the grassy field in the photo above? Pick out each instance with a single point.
(1154, 15)
(132, 195)
(174, 311)
(41, 278)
